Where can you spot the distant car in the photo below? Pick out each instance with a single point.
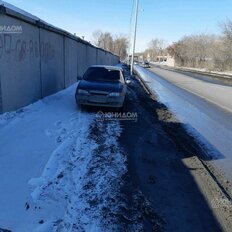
(102, 86)
(146, 64)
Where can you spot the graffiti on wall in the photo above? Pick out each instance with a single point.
(47, 51)
(20, 49)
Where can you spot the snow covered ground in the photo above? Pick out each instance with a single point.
(61, 169)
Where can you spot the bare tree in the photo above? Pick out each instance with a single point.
(226, 45)
(227, 30)
(97, 37)
(117, 44)
(106, 40)
(213, 52)
(196, 51)
(103, 40)
(120, 46)
(157, 47)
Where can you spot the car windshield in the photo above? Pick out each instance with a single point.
(102, 74)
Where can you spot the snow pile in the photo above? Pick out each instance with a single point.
(25, 147)
(62, 168)
(81, 181)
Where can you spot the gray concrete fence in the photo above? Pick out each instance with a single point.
(37, 59)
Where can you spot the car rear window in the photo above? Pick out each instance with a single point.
(102, 74)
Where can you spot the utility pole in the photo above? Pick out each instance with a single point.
(135, 32)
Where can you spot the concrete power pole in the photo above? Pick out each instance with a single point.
(135, 32)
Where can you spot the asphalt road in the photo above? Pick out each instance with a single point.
(214, 91)
(203, 105)
(163, 164)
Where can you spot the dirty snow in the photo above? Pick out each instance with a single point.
(79, 180)
(61, 169)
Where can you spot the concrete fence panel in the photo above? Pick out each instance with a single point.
(52, 62)
(82, 63)
(91, 55)
(38, 59)
(71, 61)
(101, 56)
(19, 65)
(1, 109)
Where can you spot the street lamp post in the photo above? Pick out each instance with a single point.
(134, 39)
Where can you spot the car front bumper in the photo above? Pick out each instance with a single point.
(100, 100)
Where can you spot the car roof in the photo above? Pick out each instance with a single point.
(107, 67)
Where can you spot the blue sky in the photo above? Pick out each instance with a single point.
(166, 19)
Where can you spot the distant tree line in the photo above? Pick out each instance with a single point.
(156, 47)
(117, 44)
(213, 52)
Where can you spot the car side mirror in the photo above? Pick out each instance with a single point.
(128, 81)
(79, 78)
